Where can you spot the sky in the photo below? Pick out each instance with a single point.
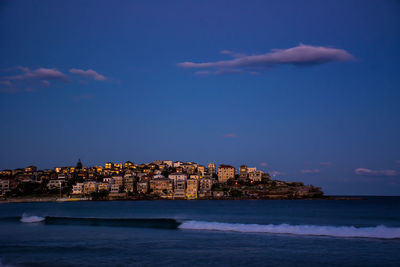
(305, 90)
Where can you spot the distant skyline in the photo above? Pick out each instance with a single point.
(305, 90)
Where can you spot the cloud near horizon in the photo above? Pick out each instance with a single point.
(39, 74)
(29, 78)
(301, 55)
(369, 172)
(89, 74)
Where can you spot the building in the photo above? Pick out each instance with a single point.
(115, 188)
(243, 173)
(195, 176)
(129, 183)
(177, 164)
(189, 168)
(177, 176)
(168, 163)
(180, 186)
(54, 184)
(226, 172)
(211, 169)
(108, 180)
(142, 187)
(128, 165)
(109, 165)
(104, 187)
(162, 187)
(256, 176)
(158, 162)
(192, 186)
(90, 187)
(31, 169)
(4, 186)
(252, 169)
(118, 166)
(119, 180)
(205, 187)
(62, 176)
(201, 170)
(77, 189)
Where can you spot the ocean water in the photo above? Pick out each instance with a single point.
(202, 233)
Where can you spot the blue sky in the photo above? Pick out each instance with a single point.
(104, 81)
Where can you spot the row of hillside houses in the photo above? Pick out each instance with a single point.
(175, 186)
(166, 178)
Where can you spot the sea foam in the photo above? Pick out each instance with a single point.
(31, 219)
(379, 231)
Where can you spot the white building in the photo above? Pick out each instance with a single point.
(77, 189)
(168, 163)
(177, 176)
(54, 184)
(115, 189)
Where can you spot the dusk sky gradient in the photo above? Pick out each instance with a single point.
(306, 90)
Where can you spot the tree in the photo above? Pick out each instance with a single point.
(79, 165)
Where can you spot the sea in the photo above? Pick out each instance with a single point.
(359, 232)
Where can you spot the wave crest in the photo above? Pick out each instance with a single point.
(31, 219)
(379, 231)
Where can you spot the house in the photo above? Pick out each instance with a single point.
(119, 180)
(191, 169)
(211, 168)
(243, 173)
(168, 163)
(90, 187)
(201, 170)
(180, 186)
(142, 187)
(226, 172)
(77, 189)
(192, 188)
(115, 188)
(256, 176)
(177, 176)
(205, 187)
(31, 169)
(104, 187)
(4, 186)
(162, 187)
(118, 166)
(128, 164)
(195, 176)
(177, 164)
(109, 165)
(129, 183)
(62, 176)
(108, 180)
(54, 184)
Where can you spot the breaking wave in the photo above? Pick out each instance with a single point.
(31, 219)
(379, 231)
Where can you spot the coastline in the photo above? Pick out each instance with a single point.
(54, 199)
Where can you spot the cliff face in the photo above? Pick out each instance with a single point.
(275, 190)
